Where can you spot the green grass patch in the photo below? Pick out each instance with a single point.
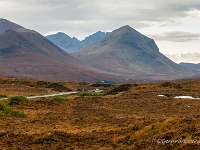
(6, 110)
(82, 94)
(60, 99)
(18, 99)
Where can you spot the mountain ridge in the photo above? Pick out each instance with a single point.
(124, 55)
(70, 44)
(26, 53)
(126, 51)
(7, 25)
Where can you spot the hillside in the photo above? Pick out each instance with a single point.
(191, 66)
(24, 86)
(69, 44)
(125, 51)
(26, 53)
(7, 25)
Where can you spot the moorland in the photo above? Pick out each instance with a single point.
(130, 116)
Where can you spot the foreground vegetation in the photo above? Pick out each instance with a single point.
(8, 111)
(127, 117)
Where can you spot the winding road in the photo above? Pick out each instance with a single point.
(48, 95)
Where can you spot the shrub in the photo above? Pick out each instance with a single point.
(171, 85)
(17, 100)
(121, 88)
(3, 96)
(60, 99)
(21, 115)
(6, 110)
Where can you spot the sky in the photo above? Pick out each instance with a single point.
(173, 24)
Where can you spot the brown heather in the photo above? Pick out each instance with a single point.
(133, 119)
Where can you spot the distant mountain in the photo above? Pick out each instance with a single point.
(69, 44)
(65, 42)
(26, 53)
(127, 52)
(94, 37)
(191, 66)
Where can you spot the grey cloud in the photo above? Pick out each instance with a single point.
(176, 36)
(78, 16)
(187, 57)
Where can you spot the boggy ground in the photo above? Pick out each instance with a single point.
(133, 119)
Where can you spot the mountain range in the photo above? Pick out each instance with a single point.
(69, 44)
(127, 52)
(26, 53)
(124, 55)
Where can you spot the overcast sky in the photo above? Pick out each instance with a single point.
(173, 24)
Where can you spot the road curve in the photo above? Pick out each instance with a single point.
(48, 95)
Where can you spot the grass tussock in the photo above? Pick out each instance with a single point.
(18, 99)
(120, 88)
(82, 94)
(6, 110)
(60, 99)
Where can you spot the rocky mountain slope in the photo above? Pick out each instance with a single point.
(127, 52)
(7, 25)
(26, 53)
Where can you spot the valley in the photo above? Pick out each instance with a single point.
(130, 116)
(114, 90)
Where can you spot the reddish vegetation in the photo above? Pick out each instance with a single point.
(133, 119)
(24, 86)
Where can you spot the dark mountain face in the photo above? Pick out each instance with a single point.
(65, 42)
(69, 44)
(127, 52)
(191, 66)
(94, 37)
(26, 53)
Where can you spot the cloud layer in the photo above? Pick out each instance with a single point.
(187, 57)
(176, 36)
(90, 15)
(164, 20)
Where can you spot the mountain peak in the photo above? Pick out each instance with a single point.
(30, 54)
(65, 42)
(8, 25)
(2, 19)
(128, 30)
(60, 33)
(94, 37)
(125, 51)
(126, 27)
